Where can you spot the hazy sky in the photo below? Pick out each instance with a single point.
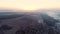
(30, 4)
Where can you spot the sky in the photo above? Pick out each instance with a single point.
(29, 4)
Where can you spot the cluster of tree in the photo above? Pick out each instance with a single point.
(4, 28)
(10, 16)
(3, 17)
(47, 27)
(38, 29)
(43, 28)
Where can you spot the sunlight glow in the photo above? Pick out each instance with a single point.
(30, 4)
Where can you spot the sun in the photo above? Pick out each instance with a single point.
(28, 7)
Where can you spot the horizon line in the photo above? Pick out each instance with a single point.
(4, 8)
